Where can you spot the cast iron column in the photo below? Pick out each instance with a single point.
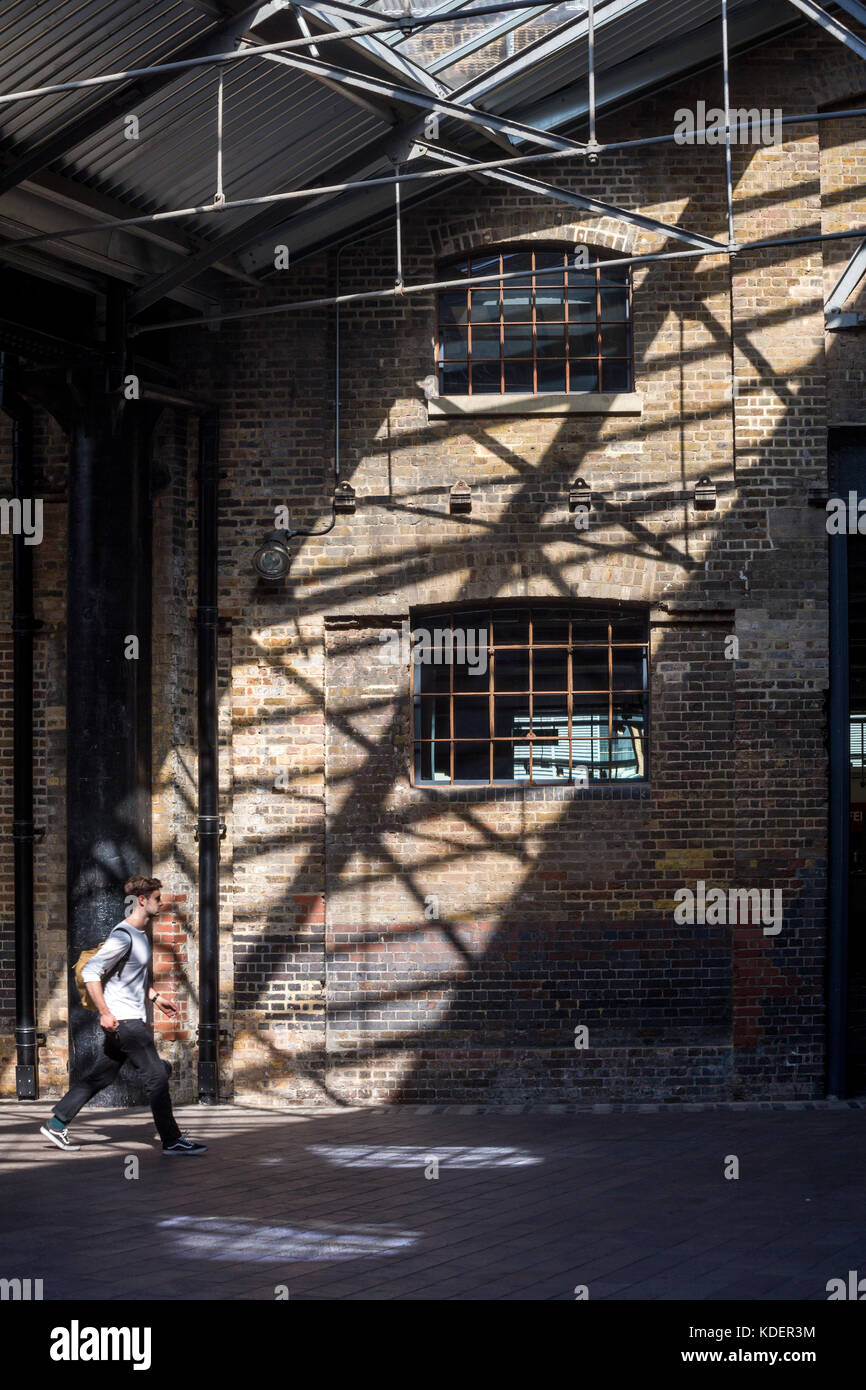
(108, 686)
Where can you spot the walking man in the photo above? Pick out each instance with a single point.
(123, 1016)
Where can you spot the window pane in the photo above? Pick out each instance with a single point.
(486, 378)
(486, 264)
(517, 304)
(581, 305)
(589, 628)
(432, 762)
(550, 304)
(629, 627)
(549, 625)
(511, 670)
(614, 340)
(434, 677)
(550, 760)
(629, 668)
(518, 376)
(485, 343)
(546, 259)
(582, 340)
(550, 715)
(454, 381)
(616, 376)
(432, 717)
(518, 341)
(471, 716)
(452, 306)
(584, 376)
(549, 669)
(550, 340)
(551, 376)
(514, 261)
(511, 716)
(485, 305)
(590, 712)
(453, 342)
(510, 627)
(471, 661)
(628, 747)
(590, 668)
(471, 762)
(614, 305)
(511, 762)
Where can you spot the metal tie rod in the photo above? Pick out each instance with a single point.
(392, 293)
(262, 50)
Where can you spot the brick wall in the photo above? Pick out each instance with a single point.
(555, 906)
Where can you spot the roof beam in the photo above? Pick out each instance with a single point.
(831, 26)
(339, 15)
(460, 110)
(566, 36)
(663, 63)
(65, 134)
(854, 9)
(108, 252)
(580, 200)
(845, 286)
(254, 229)
(260, 224)
(513, 20)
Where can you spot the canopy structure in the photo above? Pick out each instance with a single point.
(192, 136)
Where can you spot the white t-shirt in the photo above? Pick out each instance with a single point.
(126, 989)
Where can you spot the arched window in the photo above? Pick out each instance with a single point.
(540, 693)
(553, 327)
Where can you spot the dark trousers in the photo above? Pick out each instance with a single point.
(133, 1042)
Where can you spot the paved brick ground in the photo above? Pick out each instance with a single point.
(528, 1203)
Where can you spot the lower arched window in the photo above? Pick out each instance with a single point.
(535, 693)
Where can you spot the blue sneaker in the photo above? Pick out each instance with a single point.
(184, 1145)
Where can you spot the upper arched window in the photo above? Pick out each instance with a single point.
(546, 325)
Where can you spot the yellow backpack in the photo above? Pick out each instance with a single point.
(79, 965)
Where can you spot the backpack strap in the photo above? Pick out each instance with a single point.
(119, 964)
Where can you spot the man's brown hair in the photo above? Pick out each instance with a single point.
(140, 887)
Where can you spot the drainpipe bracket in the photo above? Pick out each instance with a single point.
(208, 826)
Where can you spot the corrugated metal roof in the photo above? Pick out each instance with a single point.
(280, 127)
(46, 41)
(283, 128)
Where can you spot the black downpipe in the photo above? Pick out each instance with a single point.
(23, 627)
(209, 828)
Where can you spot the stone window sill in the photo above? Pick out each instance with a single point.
(632, 790)
(590, 403)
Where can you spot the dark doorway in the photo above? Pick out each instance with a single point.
(856, 984)
(846, 922)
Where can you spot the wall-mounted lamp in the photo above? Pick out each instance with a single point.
(705, 495)
(580, 496)
(273, 559)
(344, 498)
(460, 498)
